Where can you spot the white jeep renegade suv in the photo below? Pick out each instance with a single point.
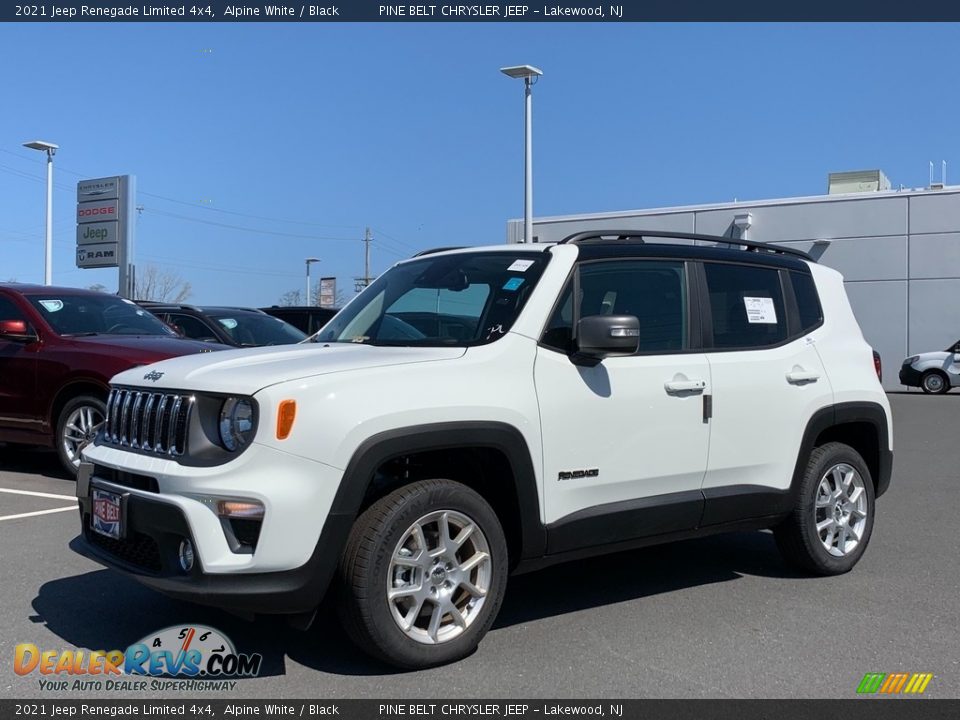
(484, 411)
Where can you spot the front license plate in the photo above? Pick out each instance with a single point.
(107, 516)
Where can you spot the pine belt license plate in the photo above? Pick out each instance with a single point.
(107, 513)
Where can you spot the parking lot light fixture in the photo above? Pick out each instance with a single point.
(309, 262)
(530, 74)
(50, 149)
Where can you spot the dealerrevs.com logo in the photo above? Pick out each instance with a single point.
(180, 657)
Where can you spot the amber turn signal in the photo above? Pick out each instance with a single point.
(286, 414)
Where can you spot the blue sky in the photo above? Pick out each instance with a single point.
(299, 136)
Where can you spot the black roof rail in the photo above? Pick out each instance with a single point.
(431, 251)
(641, 235)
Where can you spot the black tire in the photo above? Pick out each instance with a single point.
(797, 537)
(98, 409)
(938, 381)
(364, 573)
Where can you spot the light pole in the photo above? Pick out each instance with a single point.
(529, 74)
(309, 262)
(51, 150)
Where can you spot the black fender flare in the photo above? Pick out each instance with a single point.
(870, 413)
(391, 444)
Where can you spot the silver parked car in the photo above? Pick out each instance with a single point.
(933, 372)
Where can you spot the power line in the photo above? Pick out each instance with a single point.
(271, 233)
(396, 240)
(209, 208)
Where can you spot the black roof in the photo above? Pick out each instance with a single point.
(601, 244)
(203, 309)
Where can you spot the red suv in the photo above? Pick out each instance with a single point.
(59, 347)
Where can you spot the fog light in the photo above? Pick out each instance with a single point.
(186, 555)
(240, 509)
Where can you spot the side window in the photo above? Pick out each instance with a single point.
(9, 311)
(653, 291)
(747, 306)
(808, 302)
(191, 327)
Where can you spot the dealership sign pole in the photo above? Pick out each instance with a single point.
(105, 227)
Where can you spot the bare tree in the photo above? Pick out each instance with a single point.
(161, 285)
(291, 297)
(97, 287)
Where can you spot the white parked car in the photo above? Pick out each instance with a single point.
(486, 411)
(933, 372)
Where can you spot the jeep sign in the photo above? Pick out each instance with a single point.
(100, 255)
(100, 232)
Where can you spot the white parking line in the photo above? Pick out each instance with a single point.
(38, 494)
(38, 512)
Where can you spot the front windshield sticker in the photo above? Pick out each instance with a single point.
(52, 305)
(520, 265)
(228, 323)
(513, 283)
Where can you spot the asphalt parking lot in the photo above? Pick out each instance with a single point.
(721, 617)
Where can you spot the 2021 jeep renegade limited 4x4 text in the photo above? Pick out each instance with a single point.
(482, 411)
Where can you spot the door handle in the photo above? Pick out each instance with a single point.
(798, 377)
(680, 386)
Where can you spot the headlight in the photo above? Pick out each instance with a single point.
(236, 423)
(911, 360)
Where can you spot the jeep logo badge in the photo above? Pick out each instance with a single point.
(153, 375)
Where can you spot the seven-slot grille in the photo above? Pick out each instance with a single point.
(153, 422)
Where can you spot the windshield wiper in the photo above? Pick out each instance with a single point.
(81, 334)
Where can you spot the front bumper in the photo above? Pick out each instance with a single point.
(910, 376)
(295, 556)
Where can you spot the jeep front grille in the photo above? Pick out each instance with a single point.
(152, 422)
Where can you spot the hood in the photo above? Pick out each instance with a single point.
(159, 346)
(246, 371)
(935, 355)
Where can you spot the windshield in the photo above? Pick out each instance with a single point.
(74, 315)
(253, 329)
(449, 300)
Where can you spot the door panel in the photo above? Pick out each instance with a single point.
(761, 406)
(619, 419)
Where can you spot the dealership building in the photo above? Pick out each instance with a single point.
(898, 250)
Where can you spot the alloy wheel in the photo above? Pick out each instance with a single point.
(841, 509)
(79, 430)
(439, 577)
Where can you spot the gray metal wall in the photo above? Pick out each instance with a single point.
(899, 253)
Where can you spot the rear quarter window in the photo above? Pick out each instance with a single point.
(808, 301)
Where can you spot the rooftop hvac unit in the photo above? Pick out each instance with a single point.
(857, 181)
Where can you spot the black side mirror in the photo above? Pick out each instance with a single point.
(602, 336)
(17, 331)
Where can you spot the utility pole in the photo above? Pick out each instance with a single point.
(366, 257)
(363, 282)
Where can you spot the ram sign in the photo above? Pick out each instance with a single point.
(102, 255)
